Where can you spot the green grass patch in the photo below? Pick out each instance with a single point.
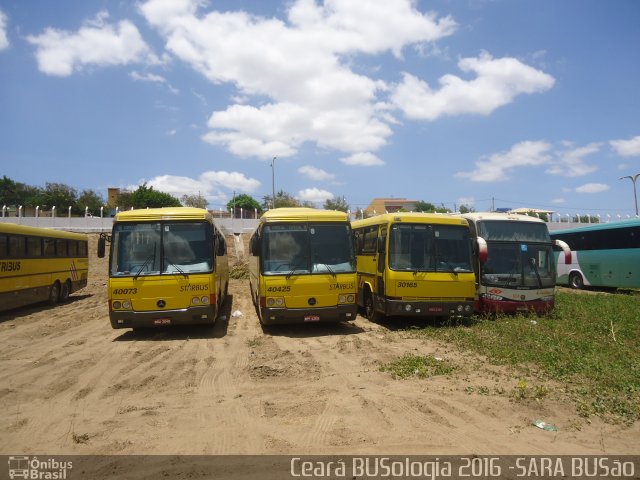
(417, 366)
(590, 343)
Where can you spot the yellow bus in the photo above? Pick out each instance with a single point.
(38, 264)
(414, 264)
(302, 267)
(167, 266)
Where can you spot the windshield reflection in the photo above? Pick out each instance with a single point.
(307, 248)
(519, 265)
(161, 248)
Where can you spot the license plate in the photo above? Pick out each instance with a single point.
(312, 318)
(162, 321)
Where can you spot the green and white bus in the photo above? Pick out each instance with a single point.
(603, 255)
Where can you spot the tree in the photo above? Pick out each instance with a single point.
(145, 197)
(246, 202)
(283, 199)
(337, 203)
(466, 209)
(430, 208)
(15, 193)
(195, 201)
(59, 195)
(91, 199)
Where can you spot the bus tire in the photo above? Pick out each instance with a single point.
(576, 281)
(65, 291)
(370, 308)
(54, 293)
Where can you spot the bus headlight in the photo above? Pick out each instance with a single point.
(460, 308)
(195, 301)
(117, 305)
(350, 298)
(342, 298)
(279, 301)
(270, 302)
(126, 304)
(467, 308)
(205, 300)
(408, 307)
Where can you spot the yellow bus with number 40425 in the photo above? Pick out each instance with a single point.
(302, 267)
(414, 264)
(167, 266)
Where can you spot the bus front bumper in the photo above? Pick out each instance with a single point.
(159, 318)
(423, 308)
(279, 316)
(539, 307)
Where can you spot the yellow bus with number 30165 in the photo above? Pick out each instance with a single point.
(414, 264)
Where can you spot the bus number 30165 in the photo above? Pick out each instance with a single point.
(407, 284)
(125, 291)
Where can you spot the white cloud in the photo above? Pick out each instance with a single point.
(497, 83)
(627, 148)
(364, 159)
(571, 162)
(60, 52)
(592, 188)
(153, 78)
(214, 186)
(558, 201)
(4, 40)
(496, 167)
(314, 195)
(316, 98)
(316, 173)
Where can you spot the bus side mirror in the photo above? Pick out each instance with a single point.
(255, 246)
(565, 249)
(381, 244)
(483, 252)
(222, 247)
(102, 241)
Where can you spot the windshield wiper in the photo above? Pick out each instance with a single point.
(451, 267)
(184, 274)
(534, 267)
(146, 262)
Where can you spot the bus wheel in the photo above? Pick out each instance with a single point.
(54, 293)
(576, 281)
(65, 291)
(370, 309)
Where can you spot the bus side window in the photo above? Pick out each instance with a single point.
(17, 247)
(222, 245)
(4, 246)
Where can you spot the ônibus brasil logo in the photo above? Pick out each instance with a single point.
(34, 468)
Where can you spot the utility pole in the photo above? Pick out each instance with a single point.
(273, 182)
(234, 204)
(635, 196)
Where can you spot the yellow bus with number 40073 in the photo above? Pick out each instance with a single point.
(167, 266)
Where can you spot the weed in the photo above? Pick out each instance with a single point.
(588, 344)
(416, 365)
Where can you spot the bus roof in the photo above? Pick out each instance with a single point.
(632, 222)
(303, 214)
(410, 217)
(166, 213)
(14, 228)
(510, 217)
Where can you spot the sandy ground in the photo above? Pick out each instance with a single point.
(69, 384)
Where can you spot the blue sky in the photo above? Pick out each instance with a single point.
(530, 103)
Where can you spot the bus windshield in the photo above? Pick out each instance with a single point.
(504, 230)
(519, 265)
(431, 248)
(307, 248)
(161, 248)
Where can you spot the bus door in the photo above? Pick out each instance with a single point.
(381, 259)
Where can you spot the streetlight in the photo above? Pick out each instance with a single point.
(273, 182)
(635, 196)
